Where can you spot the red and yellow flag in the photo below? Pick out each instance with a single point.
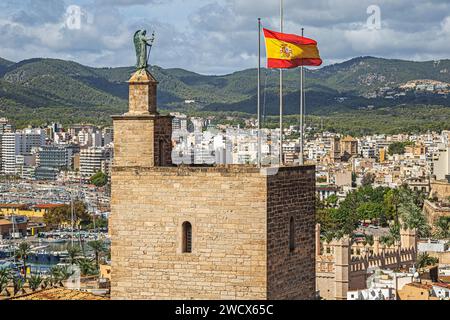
(285, 51)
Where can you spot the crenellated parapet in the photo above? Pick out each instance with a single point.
(346, 263)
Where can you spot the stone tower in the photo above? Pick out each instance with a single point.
(234, 232)
(408, 239)
(142, 138)
(341, 264)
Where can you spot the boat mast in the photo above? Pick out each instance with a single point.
(71, 215)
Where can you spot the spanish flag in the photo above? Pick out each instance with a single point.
(286, 51)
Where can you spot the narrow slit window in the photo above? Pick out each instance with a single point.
(161, 153)
(187, 237)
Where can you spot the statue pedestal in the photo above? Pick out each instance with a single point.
(142, 137)
(143, 94)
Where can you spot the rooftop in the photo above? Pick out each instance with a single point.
(4, 222)
(419, 285)
(48, 206)
(13, 205)
(59, 294)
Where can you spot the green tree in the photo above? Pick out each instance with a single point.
(63, 215)
(396, 148)
(87, 267)
(324, 216)
(371, 211)
(369, 239)
(4, 279)
(442, 226)
(18, 283)
(73, 252)
(99, 179)
(98, 246)
(99, 223)
(346, 216)
(391, 201)
(34, 282)
(58, 274)
(413, 218)
(368, 179)
(332, 201)
(424, 260)
(23, 253)
(354, 180)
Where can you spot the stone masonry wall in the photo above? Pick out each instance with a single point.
(137, 140)
(227, 210)
(133, 141)
(291, 193)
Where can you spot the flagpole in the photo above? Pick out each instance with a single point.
(300, 156)
(259, 92)
(281, 92)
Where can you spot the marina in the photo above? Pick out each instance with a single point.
(49, 249)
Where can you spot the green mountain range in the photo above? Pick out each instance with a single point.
(36, 90)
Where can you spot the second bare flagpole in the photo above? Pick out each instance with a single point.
(281, 92)
(259, 93)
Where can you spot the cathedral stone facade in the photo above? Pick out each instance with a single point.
(224, 232)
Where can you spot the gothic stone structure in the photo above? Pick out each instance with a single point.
(251, 230)
(343, 266)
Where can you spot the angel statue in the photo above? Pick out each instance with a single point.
(141, 42)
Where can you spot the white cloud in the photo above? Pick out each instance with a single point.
(220, 35)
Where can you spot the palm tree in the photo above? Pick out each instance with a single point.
(86, 267)
(47, 281)
(23, 253)
(58, 274)
(4, 279)
(35, 281)
(73, 252)
(443, 227)
(424, 260)
(18, 283)
(413, 218)
(99, 247)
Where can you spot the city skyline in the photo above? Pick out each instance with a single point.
(150, 183)
(218, 37)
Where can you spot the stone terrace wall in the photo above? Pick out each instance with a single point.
(291, 193)
(227, 210)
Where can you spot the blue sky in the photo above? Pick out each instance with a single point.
(219, 36)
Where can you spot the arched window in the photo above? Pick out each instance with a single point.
(291, 234)
(187, 237)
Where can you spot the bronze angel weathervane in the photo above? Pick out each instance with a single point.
(141, 43)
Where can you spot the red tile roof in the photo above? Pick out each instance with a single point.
(4, 222)
(442, 285)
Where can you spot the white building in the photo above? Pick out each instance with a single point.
(19, 143)
(93, 160)
(372, 294)
(383, 285)
(441, 166)
(442, 290)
